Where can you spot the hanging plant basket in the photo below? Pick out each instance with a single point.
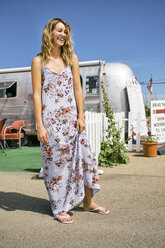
(150, 149)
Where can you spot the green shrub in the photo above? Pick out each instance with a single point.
(113, 152)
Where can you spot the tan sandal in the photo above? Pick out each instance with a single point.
(64, 218)
(98, 210)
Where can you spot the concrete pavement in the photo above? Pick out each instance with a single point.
(134, 194)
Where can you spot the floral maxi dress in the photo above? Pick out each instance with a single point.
(68, 160)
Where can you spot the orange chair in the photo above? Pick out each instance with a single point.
(2, 122)
(14, 132)
(5, 130)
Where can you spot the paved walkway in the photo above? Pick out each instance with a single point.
(134, 194)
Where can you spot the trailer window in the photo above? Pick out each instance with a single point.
(92, 85)
(8, 89)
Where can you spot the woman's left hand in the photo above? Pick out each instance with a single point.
(80, 125)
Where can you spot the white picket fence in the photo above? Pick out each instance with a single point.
(96, 125)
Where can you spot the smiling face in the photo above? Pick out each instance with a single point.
(59, 34)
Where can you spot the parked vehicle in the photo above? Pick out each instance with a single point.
(123, 90)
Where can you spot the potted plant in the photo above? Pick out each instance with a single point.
(150, 146)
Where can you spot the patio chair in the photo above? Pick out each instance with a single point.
(6, 130)
(16, 133)
(2, 122)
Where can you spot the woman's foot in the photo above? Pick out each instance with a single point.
(64, 218)
(95, 208)
(90, 205)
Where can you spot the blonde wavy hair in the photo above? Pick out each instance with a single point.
(47, 42)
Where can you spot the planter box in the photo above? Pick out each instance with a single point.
(150, 149)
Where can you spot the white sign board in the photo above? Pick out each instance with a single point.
(158, 120)
(136, 105)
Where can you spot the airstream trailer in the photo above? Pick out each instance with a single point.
(123, 90)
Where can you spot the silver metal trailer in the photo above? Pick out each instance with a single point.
(16, 99)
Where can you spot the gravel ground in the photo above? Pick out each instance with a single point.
(133, 193)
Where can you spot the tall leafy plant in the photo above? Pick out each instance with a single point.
(113, 152)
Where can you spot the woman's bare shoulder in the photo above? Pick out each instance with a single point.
(37, 61)
(75, 60)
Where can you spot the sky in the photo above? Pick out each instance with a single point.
(125, 31)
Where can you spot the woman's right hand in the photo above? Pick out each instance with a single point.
(42, 134)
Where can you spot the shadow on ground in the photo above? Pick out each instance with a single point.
(138, 155)
(11, 201)
(32, 170)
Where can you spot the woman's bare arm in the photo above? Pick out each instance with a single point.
(36, 83)
(77, 86)
(78, 93)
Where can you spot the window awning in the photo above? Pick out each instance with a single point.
(6, 84)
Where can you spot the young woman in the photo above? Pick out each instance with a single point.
(69, 165)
